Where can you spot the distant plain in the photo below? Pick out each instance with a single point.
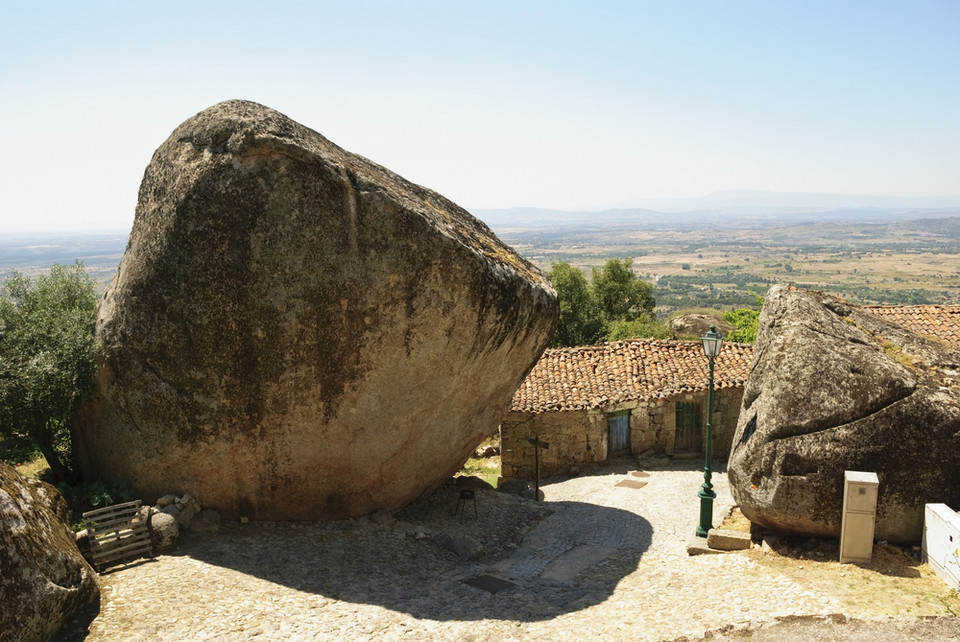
(695, 260)
(876, 258)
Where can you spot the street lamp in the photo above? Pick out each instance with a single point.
(711, 347)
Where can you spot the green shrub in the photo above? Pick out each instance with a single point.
(745, 322)
(89, 496)
(18, 451)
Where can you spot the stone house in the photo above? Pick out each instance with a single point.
(639, 397)
(646, 396)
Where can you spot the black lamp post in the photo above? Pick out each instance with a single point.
(711, 347)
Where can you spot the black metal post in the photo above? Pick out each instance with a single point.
(537, 445)
(707, 494)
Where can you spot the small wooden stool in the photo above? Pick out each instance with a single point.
(465, 496)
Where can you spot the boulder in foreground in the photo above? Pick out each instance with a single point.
(44, 580)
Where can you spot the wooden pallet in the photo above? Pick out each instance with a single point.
(117, 533)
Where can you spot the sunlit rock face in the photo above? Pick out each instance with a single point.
(295, 332)
(44, 580)
(835, 388)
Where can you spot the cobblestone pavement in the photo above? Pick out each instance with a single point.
(595, 560)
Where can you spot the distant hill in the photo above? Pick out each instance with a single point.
(529, 227)
(737, 209)
(751, 201)
(646, 219)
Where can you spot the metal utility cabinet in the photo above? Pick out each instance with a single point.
(859, 516)
(941, 542)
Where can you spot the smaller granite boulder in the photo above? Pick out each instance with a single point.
(44, 580)
(207, 520)
(534, 494)
(514, 487)
(836, 388)
(697, 325)
(164, 531)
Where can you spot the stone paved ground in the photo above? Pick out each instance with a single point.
(594, 561)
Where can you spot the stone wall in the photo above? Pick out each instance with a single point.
(575, 437)
(580, 436)
(725, 416)
(647, 420)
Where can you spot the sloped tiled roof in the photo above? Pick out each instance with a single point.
(645, 369)
(939, 321)
(631, 370)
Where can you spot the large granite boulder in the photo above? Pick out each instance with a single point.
(44, 580)
(835, 388)
(295, 332)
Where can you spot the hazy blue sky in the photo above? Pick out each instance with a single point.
(492, 103)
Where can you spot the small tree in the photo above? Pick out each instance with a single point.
(620, 294)
(615, 305)
(647, 327)
(580, 320)
(47, 357)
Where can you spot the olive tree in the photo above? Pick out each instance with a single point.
(745, 322)
(615, 305)
(580, 320)
(47, 357)
(620, 293)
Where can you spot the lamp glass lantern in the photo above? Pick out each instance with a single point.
(712, 342)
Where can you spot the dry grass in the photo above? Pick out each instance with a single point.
(486, 468)
(893, 583)
(33, 468)
(815, 256)
(735, 521)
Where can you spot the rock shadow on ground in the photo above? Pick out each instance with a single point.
(545, 559)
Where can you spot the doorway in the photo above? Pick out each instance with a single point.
(689, 437)
(618, 427)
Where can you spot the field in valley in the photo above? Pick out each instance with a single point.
(719, 266)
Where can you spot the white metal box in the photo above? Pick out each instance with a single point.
(941, 542)
(859, 516)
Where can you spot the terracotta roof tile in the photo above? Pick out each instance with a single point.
(631, 370)
(941, 322)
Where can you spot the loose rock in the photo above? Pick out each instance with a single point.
(514, 486)
(206, 520)
(164, 531)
